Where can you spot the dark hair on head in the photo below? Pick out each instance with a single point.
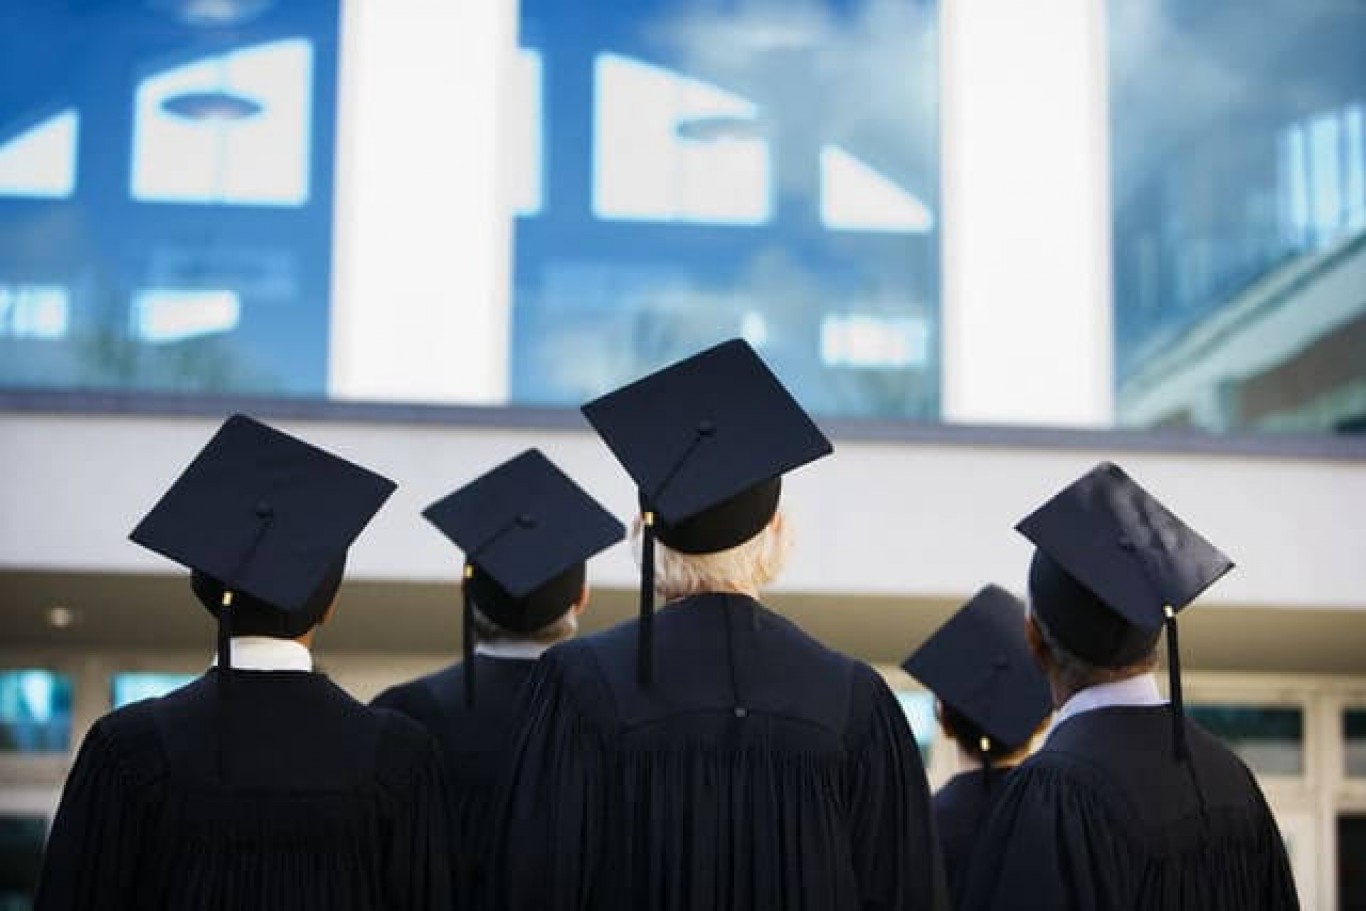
(969, 736)
(1079, 620)
(1072, 674)
(500, 615)
(558, 630)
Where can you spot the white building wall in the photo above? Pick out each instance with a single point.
(927, 519)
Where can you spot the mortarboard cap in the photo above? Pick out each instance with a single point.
(706, 441)
(1113, 565)
(524, 523)
(979, 664)
(264, 513)
(1123, 546)
(526, 529)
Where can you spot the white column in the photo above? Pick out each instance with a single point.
(1026, 213)
(422, 247)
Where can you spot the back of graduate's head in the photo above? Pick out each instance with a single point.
(252, 616)
(746, 567)
(1079, 642)
(549, 614)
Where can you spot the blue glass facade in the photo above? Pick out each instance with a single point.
(166, 195)
(713, 170)
(678, 173)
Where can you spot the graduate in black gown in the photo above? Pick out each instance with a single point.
(1127, 804)
(991, 699)
(261, 785)
(713, 756)
(527, 531)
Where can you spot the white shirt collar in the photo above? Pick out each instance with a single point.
(527, 651)
(1139, 690)
(264, 653)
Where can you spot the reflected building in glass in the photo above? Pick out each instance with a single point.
(1239, 189)
(693, 172)
(166, 196)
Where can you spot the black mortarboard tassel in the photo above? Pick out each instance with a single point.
(645, 640)
(263, 518)
(526, 529)
(1105, 542)
(467, 633)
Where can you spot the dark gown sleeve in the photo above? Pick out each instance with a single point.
(1050, 843)
(961, 808)
(892, 832)
(401, 699)
(547, 813)
(417, 848)
(104, 823)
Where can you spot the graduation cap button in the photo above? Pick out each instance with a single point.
(264, 509)
(526, 520)
(1125, 543)
(1001, 662)
(706, 427)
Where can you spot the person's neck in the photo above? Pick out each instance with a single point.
(1061, 693)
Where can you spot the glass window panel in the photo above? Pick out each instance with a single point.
(764, 170)
(133, 686)
(21, 851)
(35, 711)
(1270, 739)
(231, 128)
(166, 197)
(1234, 247)
(41, 161)
(669, 147)
(1354, 742)
(34, 312)
(856, 197)
(166, 315)
(919, 709)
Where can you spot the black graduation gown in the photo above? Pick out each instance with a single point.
(1103, 817)
(759, 770)
(473, 745)
(961, 807)
(330, 805)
